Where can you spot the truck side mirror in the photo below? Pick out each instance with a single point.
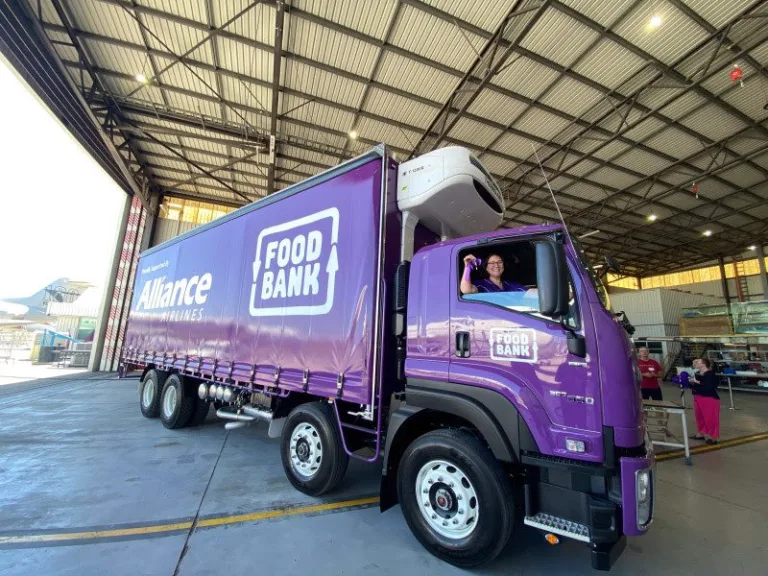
(552, 278)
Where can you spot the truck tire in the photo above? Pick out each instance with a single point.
(199, 412)
(311, 449)
(456, 498)
(177, 403)
(150, 393)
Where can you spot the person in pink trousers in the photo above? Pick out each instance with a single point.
(706, 403)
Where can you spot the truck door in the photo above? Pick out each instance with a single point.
(500, 341)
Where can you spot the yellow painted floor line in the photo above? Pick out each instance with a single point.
(711, 447)
(177, 526)
(139, 531)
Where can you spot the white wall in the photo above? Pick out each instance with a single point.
(715, 288)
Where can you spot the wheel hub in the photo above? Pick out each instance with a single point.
(305, 450)
(449, 502)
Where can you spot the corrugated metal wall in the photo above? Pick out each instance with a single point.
(715, 288)
(166, 229)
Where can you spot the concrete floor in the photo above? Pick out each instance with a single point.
(76, 456)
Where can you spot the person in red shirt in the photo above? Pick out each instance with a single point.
(651, 373)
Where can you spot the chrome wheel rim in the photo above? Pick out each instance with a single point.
(148, 393)
(305, 451)
(447, 499)
(169, 401)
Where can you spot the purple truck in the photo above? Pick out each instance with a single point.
(334, 311)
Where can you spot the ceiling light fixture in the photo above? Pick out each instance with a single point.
(353, 134)
(753, 247)
(655, 21)
(592, 233)
(707, 233)
(652, 217)
(140, 77)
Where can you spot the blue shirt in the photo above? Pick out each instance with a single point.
(489, 286)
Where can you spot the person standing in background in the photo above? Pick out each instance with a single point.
(706, 403)
(650, 370)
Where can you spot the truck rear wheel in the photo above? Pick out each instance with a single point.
(311, 450)
(455, 497)
(150, 389)
(177, 403)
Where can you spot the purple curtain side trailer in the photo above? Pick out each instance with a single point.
(337, 311)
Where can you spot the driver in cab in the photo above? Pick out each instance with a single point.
(494, 267)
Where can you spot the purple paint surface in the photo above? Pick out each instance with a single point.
(289, 286)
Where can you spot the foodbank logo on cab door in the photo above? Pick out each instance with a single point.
(295, 266)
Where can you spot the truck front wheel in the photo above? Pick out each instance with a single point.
(177, 403)
(311, 450)
(455, 497)
(150, 390)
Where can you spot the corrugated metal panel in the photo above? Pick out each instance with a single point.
(48, 11)
(238, 57)
(249, 95)
(330, 47)
(367, 17)
(166, 162)
(322, 138)
(713, 122)
(526, 77)
(399, 108)
(585, 166)
(390, 135)
(485, 15)
(605, 12)
(497, 107)
(416, 78)
(611, 150)
(587, 192)
(257, 24)
(166, 229)
(612, 177)
(676, 35)
(737, 221)
(673, 301)
(474, 132)
(641, 161)
(311, 156)
(66, 52)
(747, 101)
(191, 9)
(642, 306)
(675, 143)
(745, 145)
(318, 114)
(559, 38)
(170, 36)
(104, 19)
(609, 64)
(645, 129)
(571, 96)
(200, 81)
(323, 84)
(681, 106)
(195, 106)
(541, 124)
(683, 200)
(719, 13)
(446, 44)
(742, 175)
(721, 85)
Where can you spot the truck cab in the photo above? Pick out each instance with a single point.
(538, 369)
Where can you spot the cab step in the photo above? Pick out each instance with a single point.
(560, 526)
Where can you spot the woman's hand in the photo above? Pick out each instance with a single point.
(469, 260)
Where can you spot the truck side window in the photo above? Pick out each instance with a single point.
(505, 275)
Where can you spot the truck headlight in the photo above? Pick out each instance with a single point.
(644, 495)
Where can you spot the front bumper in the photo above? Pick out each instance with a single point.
(633, 522)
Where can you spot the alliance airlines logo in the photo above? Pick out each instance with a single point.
(294, 270)
(187, 295)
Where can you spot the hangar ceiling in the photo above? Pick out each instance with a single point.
(647, 115)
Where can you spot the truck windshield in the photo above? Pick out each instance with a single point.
(600, 288)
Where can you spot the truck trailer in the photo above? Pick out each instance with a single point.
(333, 311)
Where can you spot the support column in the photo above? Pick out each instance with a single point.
(105, 355)
(151, 222)
(726, 292)
(763, 277)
